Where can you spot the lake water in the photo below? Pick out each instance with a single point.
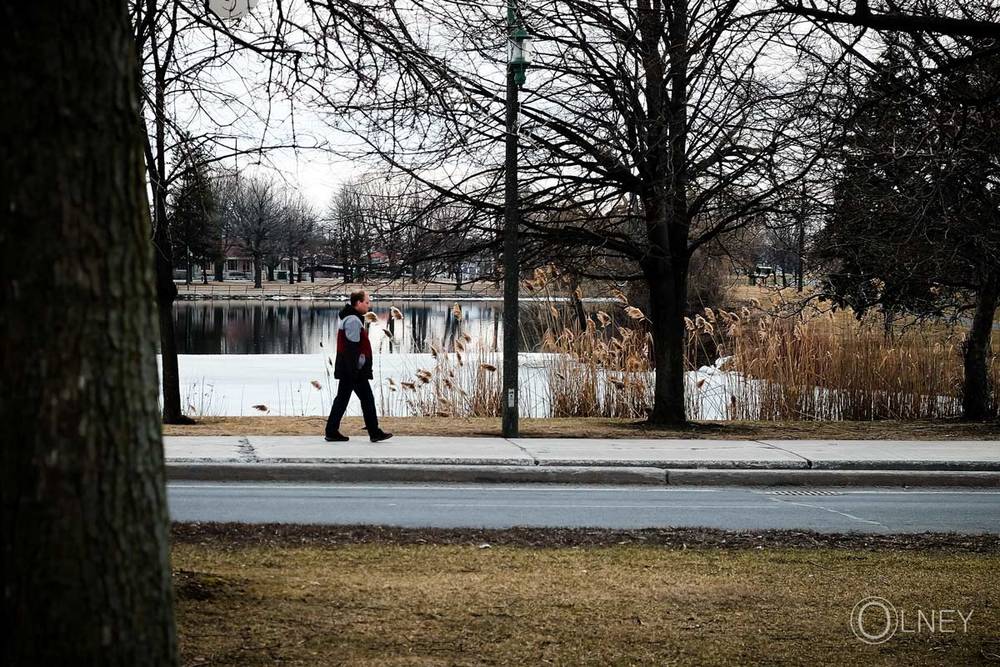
(310, 327)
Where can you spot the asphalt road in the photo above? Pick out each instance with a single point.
(502, 506)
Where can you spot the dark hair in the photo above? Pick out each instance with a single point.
(358, 296)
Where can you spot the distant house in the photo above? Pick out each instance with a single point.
(236, 267)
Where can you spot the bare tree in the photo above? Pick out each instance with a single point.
(254, 220)
(668, 107)
(296, 231)
(184, 55)
(83, 526)
(968, 18)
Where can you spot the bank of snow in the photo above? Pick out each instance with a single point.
(302, 384)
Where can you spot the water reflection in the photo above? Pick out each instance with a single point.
(309, 327)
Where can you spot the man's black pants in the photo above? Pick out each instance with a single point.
(363, 389)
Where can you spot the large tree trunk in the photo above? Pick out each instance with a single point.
(667, 305)
(220, 273)
(977, 396)
(83, 524)
(256, 273)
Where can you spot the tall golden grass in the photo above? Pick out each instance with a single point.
(775, 368)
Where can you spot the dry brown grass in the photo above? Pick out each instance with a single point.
(599, 427)
(378, 604)
(826, 368)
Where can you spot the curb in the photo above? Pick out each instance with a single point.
(609, 475)
(827, 477)
(355, 472)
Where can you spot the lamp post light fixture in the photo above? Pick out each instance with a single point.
(518, 58)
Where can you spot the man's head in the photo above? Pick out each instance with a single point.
(360, 301)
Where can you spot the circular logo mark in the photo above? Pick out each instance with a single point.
(874, 620)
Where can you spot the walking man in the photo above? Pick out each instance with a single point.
(353, 369)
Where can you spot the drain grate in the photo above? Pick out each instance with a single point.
(805, 493)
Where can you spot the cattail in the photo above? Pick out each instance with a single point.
(488, 367)
(409, 385)
(700, 383)
(316, 384)
(603, 318)
(688, 324)
(396, 313)
(260, 408)
(434, 351)
(569, 335)
(709, 314)
(458, 355)
(392, 383)
(388, 334)
(617, 383)
(634, 313)
(371, 317)
(466, 337)
(456, 310)
(620, 295)
(460, 345)
(554, 311)
(699, 322)
(443, 413)
(709, 329)
(578, 294)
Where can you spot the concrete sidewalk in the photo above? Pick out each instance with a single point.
(609, 461)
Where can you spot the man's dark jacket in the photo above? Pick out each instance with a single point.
(348, 365)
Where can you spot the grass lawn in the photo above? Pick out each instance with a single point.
(405, 598)
(597, 427)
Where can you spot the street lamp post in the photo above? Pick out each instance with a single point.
(517, 63)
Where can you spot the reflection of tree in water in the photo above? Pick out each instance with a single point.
(311, 328)
(421, 317)
(451, 328)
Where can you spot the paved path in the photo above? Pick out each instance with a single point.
(502, 506)
(659, 453)
(610, 461)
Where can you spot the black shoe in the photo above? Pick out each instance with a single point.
(379, 436)
(336, 437)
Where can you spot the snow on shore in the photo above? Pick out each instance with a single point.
(232, 384)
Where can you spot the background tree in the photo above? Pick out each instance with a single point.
(192, 217)
(186, 57)
(254, 220)
(672, 106)
(352, 230)
(83, 516)
(915, 226)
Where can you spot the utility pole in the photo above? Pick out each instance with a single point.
(800, 280)
(517, 63)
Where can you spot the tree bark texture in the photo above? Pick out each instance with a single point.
(977, 394)
(83, 527)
